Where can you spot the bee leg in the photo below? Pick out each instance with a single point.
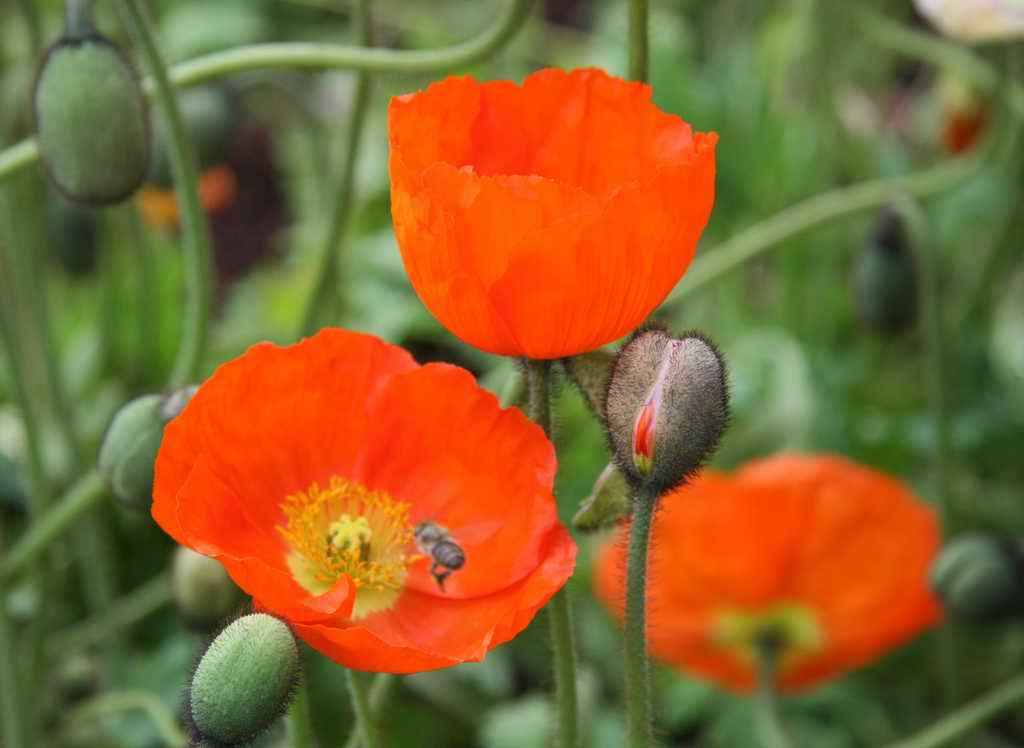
(439, 576)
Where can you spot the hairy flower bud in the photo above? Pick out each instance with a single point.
(666, 408)
(590, 373)
(885, 278)
(203, 592)
(607, 504)
(132, 441)
(91, 120)
(244, 681)
(979, 577)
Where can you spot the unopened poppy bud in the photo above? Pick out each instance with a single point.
(666, 408)
(132, 441)
(608, 503)
(885, 278)
(979, 577)
(203, 592)
(244, 681)
(590, 373)
(91, 120)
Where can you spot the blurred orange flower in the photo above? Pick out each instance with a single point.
(547, 219)
(217, 190)
(310, 472)
(829, 556)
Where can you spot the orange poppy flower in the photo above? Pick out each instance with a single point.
(829, 556)
(217, 190)
(547, 219)
(311, 472)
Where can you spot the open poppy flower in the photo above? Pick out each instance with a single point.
(312, 473)
(825, 557)
(547, 219)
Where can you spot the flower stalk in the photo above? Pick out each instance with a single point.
(766, 708)
(363, 711)
(538, 376)
(638, 677)
(638, 47)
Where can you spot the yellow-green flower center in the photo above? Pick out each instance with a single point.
(347, 529)
(791, 627)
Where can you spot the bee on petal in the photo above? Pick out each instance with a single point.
(447, 555)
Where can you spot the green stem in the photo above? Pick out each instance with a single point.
(194, 229)
(766, 708)
(967, 717)
(310, 55)
(34, 22)
(342, 194)
(363, 712)
(538, 385)
(638, 697)
(78, 20)
(300, 719)
(11, 709)
(733, 253)
(147, 306)
(379, 691)
(638, 26)
(112, 702)
(80, 498)
(126, 612)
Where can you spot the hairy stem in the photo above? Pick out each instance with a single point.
(638, 697)
(638, 54)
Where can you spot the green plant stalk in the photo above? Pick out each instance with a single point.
(638, 47)
(112, 702)
(342, 193)
(380, 689)
(11, 708)
(733, 253)
(34, 22)
(966, 718)
(123, 614)
(78, 19)
(147, 306)
(83, 496)
(634, 630)
(308, 55)
(766, 708)
(559, 610)
(365, 722)
(194, 229)
(299, 720)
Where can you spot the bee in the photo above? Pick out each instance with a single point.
(447, 555)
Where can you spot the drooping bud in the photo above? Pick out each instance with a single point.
(590, 373)
(203, 592)
(92, 121)
(666, 408)
(244, 681)
(979, 577)
(131, 444)
(885, 278)
(607, 504)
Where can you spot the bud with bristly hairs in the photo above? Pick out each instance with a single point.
(667, 406)
(244, 681)
(202, 590)
(981, 577)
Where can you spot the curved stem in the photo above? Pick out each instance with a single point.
(379, 690)
(967, 717)
(300, 719)
(195, 233)
(638, 54)
(559, 610)
(342, 195)
(112, 702)
(766, 709)
(80, 498)
(312, 56)
(638, 697)
(78, 19)
(770, 233)
(364, 714)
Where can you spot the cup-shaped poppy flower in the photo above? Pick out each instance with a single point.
(827, 559)
(546, 219)
(394, 514)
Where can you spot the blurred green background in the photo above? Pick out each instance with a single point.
(805, 99)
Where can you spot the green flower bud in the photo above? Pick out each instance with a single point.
(590, 373)
(244, 681)
(885, 278)
(667, 406)
(203, 592)
(91, 120)
(608, 503)
(978, 577)
(132, 441)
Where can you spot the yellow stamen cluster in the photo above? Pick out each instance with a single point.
(792, 627)
(348, 529)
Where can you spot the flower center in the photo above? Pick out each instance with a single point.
(792, 627)
(347, 529)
